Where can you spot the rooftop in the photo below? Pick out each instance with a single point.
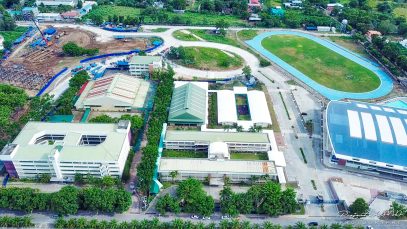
(368, 131)
(213, 166)
(144, 59)
(118, 89)
(38, 139)
(188, 104)
(206, 136)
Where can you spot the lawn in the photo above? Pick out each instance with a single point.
(184, 154)
(13, 35)
(211, 37)
(183, 36)
(248, 156)
(401, 11)
(159, 30)
(322, 64)
(242, 104)
(110, 10)
(247, 34)
(211, 59)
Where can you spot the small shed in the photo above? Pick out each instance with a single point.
(50, 31)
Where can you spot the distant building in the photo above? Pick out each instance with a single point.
(293, 4)
(368, 136)
(71, 15)
(113, 93)
(369, 35)
(188, 104)
(254, 17)
(29, 13)
(144, 65)
(56, 2)
(277, 11)
(49, 17)
(332, 6)
(65, 149)
(87, 7)
(404, 43)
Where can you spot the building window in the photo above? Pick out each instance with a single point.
(92, 140)
(49, 139)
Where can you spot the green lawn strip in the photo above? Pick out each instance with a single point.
(275, 125)
(178, 34)
(248, 156)
(212, 59)
(285, 106)
(322, 64)
(190, 18)
(159, 30)
(213, 110)
(208, 35)
(184, 154)
(247, 34)
(13, 35)
(303, 156)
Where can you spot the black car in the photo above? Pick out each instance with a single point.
(313, 224)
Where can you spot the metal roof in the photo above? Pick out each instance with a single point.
(211, 136)
(188, 104)
(144, 59)
(71, 150)
(217, 166)
(368, 131)
(116, 90)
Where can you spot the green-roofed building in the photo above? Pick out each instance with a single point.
(188, 105)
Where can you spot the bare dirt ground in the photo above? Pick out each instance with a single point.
(30, 68)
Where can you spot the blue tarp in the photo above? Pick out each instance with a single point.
(50, 31)
(385, 87)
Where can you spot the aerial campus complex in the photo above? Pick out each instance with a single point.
(102, 113)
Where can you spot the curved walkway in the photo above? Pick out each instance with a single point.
(385, 87)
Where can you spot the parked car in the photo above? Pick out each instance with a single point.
(194, 217)
(225, 217)
(313, 224)
(206, 217)
(132, 185)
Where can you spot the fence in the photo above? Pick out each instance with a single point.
(45, 87)
(121, 30)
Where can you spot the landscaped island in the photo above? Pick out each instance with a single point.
(205, 58)
(321, 64)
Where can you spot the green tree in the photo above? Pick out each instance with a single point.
(66, 201)
(79, 5)
(247, 71)
(359, 208)
(387, 27)
(79, 79)
(173, 175)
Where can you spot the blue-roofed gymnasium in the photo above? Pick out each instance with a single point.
(368, 136)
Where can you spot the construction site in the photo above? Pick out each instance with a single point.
(38, 58)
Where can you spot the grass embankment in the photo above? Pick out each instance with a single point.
(11, 36)
(248, 156)
(188, 18)
(184, 154)
(322, 64)
(159, 30)
(180, 35)
(212, 59)
(208, 35)
(247, 34)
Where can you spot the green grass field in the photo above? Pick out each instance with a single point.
(209, 36)
(184, 154)
(183, 36)
(212, 59)
(13, 35)
(350, 44)
(248, 156)
(186, 18)
(110, 10)
(247, 34)
(159, 30)
(321, 64)
(401, 11)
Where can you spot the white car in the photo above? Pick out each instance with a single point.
(194, 217)
(225, 217)
(206, 217)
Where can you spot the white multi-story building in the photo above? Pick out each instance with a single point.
(49, 17)
(56, 2)
(65, 149)
(144, 65)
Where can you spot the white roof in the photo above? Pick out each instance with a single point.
(226, 106)
(354, 124)
(368, 126)
(115, 90)
(281, 175)
(384, 127)
(277, 157)
(48, 15)
(240, 90)
(259, 111)
(220, 167)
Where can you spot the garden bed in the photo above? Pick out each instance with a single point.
(184, 154)
(242, 106)
(248, 156)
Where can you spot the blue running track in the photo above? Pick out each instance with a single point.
(385, 87)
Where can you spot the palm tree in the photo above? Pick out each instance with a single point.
(173, 175)
(239, 128)
(300, 225)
